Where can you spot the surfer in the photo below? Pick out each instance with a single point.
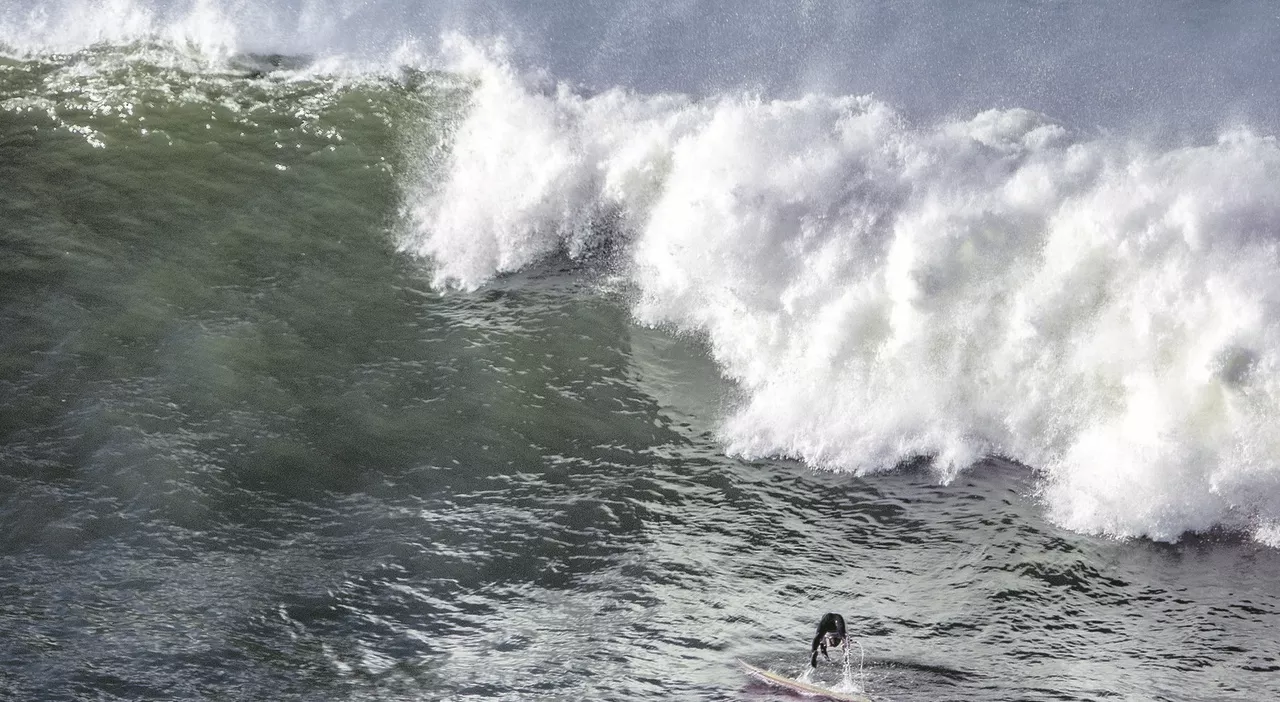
(830, 633)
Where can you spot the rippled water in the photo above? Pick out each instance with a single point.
(515, 495)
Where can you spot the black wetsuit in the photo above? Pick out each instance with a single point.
(832, 627)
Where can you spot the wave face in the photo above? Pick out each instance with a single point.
(1102, 310)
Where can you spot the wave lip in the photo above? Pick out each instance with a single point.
(1102, 309)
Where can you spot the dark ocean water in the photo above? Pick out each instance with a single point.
(254, 446)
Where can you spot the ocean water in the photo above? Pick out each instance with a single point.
(575, 351)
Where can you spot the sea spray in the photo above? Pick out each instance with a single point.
(851, 680)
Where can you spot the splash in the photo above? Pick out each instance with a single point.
(851, 681)
(1101, 309)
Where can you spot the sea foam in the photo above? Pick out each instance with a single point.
(1101, 309)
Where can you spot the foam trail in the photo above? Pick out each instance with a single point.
(1102, 310)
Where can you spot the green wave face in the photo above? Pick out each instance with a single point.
(208, 227)
(239, 120)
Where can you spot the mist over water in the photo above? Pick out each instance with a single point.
(1182, 67)
(506, 350)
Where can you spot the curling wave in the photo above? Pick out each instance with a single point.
(1100, 309)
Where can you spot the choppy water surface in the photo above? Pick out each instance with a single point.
(323, 380)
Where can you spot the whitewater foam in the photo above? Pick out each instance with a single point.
(1097, 308)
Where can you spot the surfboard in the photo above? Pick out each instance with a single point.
(803, 688)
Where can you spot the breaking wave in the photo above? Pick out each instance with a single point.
(1101, 309)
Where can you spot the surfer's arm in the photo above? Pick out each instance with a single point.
(818, 644)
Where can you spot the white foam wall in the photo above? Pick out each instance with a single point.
(1102, 310)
